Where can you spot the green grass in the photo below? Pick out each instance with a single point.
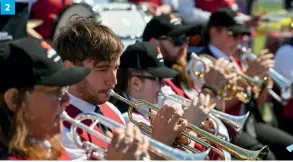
(264, 6)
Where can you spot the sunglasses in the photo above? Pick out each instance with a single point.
(154, 78)
(235, 35)
(177, 41)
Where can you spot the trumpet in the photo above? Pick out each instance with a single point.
(236, 122)
(232, 89)
(283, 83)
(290, 148)
(236, 151)
(157, 147)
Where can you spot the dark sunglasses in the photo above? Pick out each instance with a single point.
(177, 41)
(235, 35)
(154, 78)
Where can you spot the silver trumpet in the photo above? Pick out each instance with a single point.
(283, 83)
(157, 147)
(290, 148)
(236, 122)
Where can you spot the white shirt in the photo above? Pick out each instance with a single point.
(284, 61)
(72, 149)
(191, 14)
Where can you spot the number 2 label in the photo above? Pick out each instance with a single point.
(7, 7)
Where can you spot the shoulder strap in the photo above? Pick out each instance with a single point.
(110, 113)
(85, 136)
(175, 88)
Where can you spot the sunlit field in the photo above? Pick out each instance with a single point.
(266, 6)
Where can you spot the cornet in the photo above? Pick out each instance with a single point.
(236, 151)
(230, 90)
(283, 83)
(236, 122)
(157, 147)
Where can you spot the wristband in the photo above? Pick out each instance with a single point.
(211, 89)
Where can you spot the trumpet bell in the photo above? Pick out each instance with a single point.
(236, 122)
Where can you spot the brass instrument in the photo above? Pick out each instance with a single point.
(236, 151)
(157, 147)
(283, 83)
(290, 148)
(236, 122)
(229, 91)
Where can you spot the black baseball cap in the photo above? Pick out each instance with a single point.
(29, 61)
(148, 57)
(226, 17)
(168, 25)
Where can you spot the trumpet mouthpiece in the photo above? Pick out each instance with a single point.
(110, 92)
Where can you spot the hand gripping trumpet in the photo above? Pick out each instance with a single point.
(229, 91)
(283, 83)
(236, 151)
(157, 147)
(236, 122)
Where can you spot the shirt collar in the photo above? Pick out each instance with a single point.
(81, 104)
(217, 52)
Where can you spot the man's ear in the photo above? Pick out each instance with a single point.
(68, 63)
(11, 97)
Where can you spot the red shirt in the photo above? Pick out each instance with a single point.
(213, 5)
(47, 10)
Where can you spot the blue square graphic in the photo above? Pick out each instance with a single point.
(7, 7)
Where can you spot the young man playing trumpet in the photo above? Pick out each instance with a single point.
(224, 33)
(32, 109)
(88, 43)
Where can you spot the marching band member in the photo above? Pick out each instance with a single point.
(33, 94)
(167, 32)
(88, 43)
(145, 78)
(141, 76)
(171, 38)
(224, 33)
